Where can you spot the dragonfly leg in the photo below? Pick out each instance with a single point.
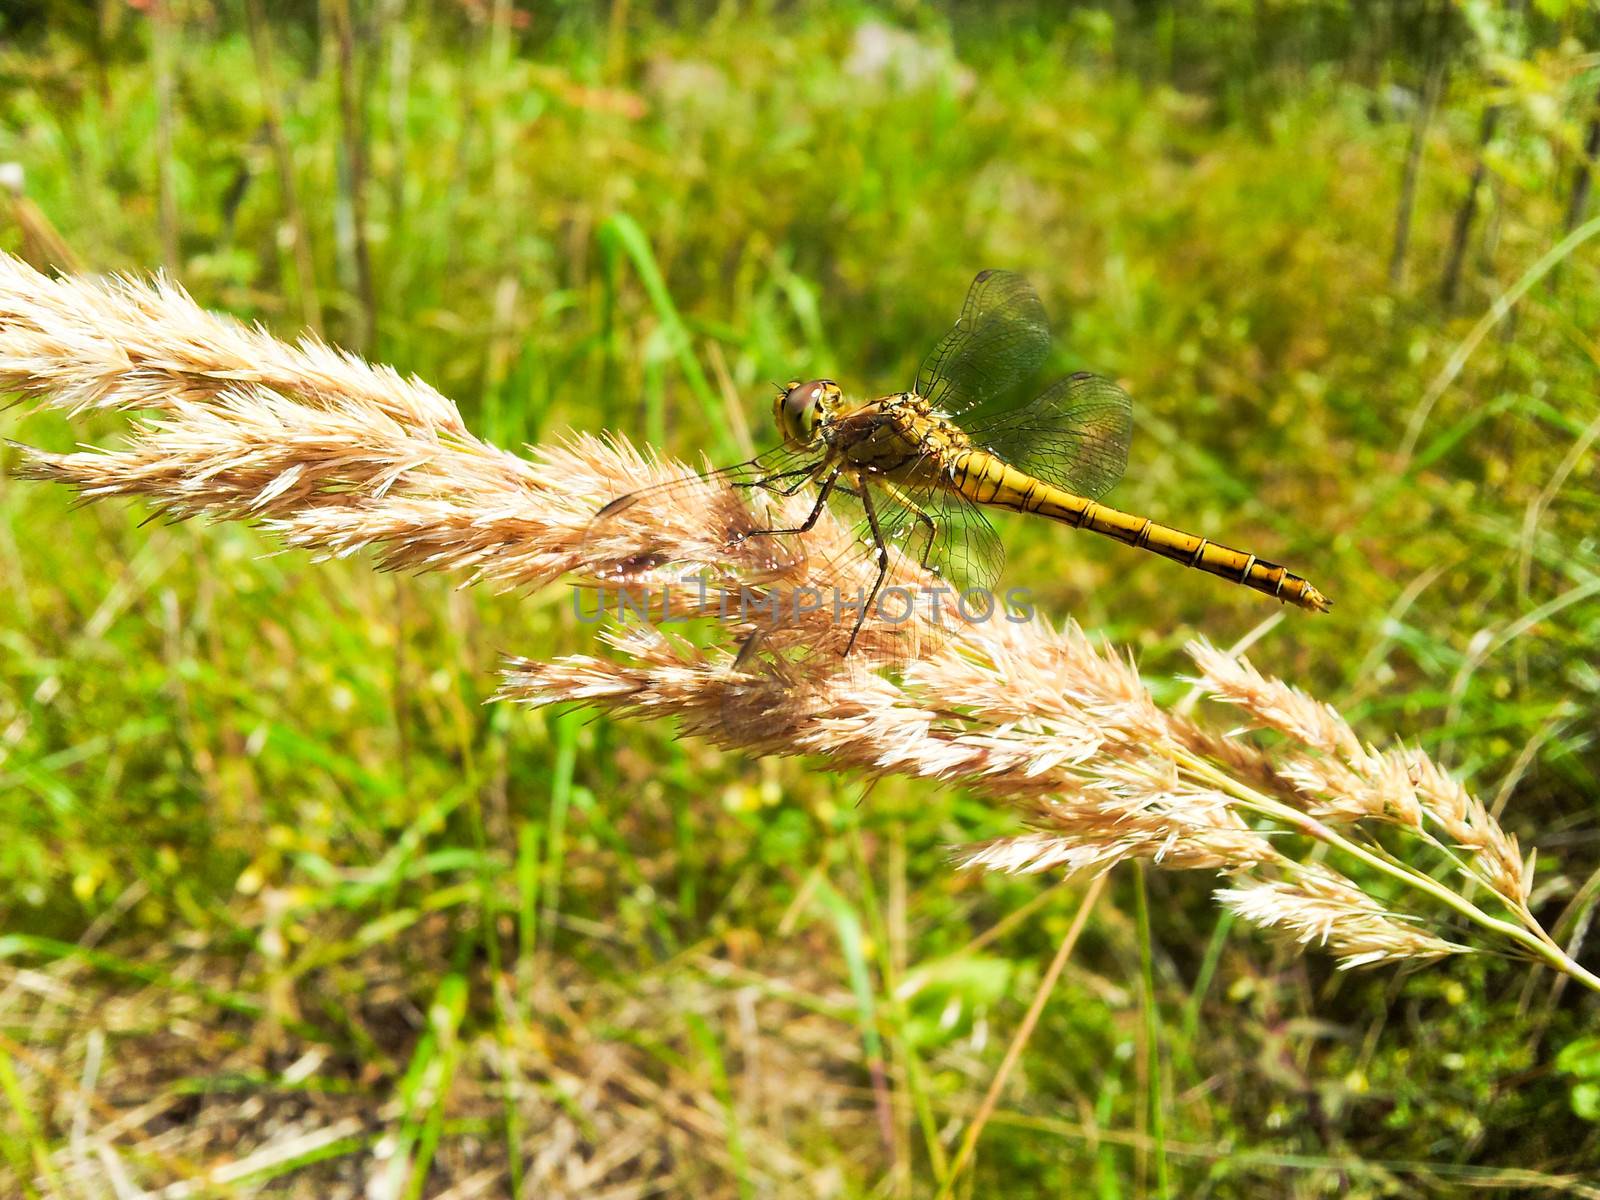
(923, 519)
(805, 527)
(883, 565)
(916, 510)
(800, 476)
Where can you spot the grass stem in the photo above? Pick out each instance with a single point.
(969, 1140)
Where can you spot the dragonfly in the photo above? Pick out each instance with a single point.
(917, 469)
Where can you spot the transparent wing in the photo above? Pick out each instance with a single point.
(1075, 435)
(999, 343)
(941, 531)
(780, 685)
(712, 521)
(924, 529)
(795, 669)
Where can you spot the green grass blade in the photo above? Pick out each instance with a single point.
(706, 1040)
(425, 1088)
(621, 230)
(37, 1148)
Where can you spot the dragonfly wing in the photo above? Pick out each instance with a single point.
(999, 343)
(937, 529)
(1075, 435)
(795, 669)
(713, 520)
(782, 682)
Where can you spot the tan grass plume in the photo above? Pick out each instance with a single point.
(336, 456)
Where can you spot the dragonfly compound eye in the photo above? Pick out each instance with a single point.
(799, 410)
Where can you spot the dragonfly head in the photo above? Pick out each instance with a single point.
(801, 407)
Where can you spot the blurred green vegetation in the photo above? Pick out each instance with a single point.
(278, 777)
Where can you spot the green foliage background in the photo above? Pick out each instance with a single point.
(634, 217)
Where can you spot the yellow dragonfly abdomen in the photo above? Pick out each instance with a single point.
(987, 479)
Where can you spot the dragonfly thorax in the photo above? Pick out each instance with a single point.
(900, 436)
